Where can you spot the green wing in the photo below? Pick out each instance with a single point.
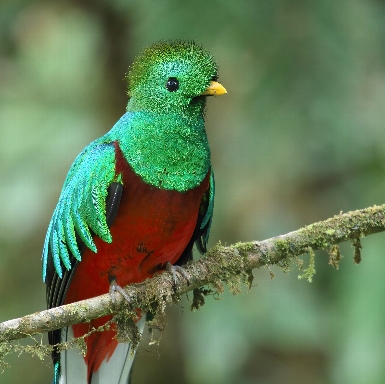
(81, 207)
(208, 215)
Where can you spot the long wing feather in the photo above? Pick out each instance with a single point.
(82, 212)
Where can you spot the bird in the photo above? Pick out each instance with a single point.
(134, 201)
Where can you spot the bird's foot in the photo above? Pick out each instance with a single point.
(117, 288)
(173, 269)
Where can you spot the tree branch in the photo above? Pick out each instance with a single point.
(232, 264)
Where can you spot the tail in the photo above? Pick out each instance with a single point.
(72, 368)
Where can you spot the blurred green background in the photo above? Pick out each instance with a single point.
(299, 137)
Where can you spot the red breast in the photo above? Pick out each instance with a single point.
(153, 226)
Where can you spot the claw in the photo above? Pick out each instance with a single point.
(173, 269)
(117, 288)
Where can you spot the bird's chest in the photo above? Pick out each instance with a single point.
(153, 226)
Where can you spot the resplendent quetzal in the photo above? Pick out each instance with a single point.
(134, 200)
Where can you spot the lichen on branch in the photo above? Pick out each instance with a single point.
(231, 265)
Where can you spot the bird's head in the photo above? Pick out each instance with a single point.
(173, 77)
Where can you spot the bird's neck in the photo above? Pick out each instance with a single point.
(188, 109)
(169, 151)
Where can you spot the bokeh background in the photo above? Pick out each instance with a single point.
(299, 137)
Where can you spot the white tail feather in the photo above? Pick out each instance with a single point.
(114, 371)
(73, 366)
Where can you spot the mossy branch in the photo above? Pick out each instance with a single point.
(232, 264)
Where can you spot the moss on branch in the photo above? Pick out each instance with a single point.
(231, 265)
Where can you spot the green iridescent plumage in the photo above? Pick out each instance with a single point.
(81, 206)
(187, 61)
(162, 136)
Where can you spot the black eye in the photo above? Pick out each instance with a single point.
(172, 84)
(214, 78)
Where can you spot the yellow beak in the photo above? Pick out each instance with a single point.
(214, 89)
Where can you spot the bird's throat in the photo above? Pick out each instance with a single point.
(168, 151)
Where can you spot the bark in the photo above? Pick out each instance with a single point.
(232, 265)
